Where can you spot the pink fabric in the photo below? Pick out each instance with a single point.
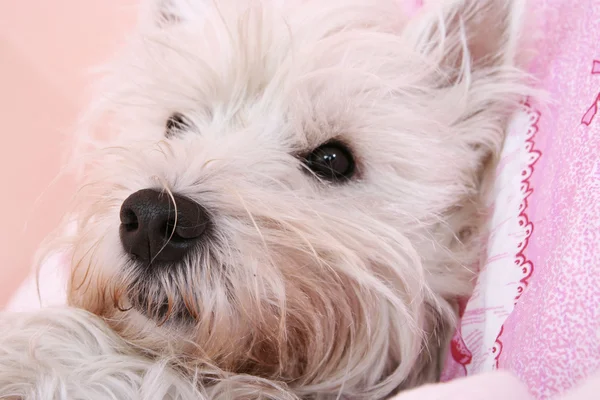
(550, 334)
(497, 385)
(552, 339)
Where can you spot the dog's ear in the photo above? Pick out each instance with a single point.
(474, 34)
(163, 13)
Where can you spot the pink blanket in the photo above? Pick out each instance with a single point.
(536, 310)
(498, 385)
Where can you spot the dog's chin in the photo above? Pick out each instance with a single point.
(160, 309)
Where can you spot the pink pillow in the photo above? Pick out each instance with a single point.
(536, 309)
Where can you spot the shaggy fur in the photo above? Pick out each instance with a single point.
(71, 354)
(306, 289)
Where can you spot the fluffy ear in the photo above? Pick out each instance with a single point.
(474, 34)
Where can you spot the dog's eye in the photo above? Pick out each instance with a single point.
(332, 161)
(175, 124)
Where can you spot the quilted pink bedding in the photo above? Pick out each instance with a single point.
(536, 307)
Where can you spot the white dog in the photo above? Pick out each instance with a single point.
(287, 205)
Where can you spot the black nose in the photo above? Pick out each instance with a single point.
(152, 231)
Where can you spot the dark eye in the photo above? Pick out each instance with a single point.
(332, 161)
(176, 123)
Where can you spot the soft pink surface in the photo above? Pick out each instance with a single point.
(497, 385)
(551, 340)
(46, 50)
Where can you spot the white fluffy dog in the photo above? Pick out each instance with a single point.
(284, 202)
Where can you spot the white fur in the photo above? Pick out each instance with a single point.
(308, 289)
(68, 354)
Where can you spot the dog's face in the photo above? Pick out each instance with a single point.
(279, 193)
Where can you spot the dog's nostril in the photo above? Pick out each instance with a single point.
(183, 230)
(129, 220)
(152, 231)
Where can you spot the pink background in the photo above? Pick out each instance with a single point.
(46, 47)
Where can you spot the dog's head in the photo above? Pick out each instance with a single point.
(276, 196)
